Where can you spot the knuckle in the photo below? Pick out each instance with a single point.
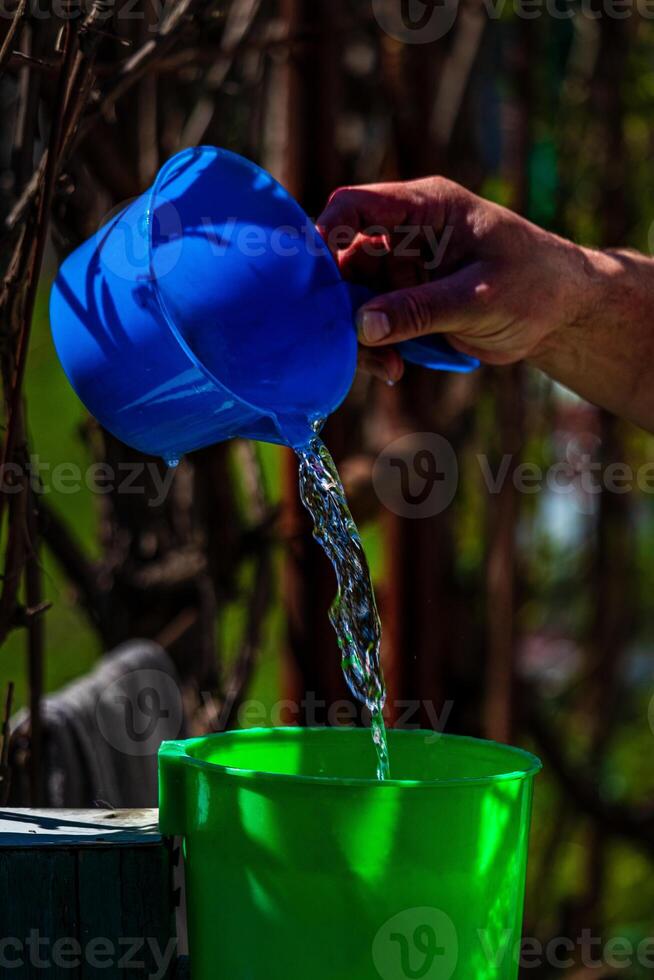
(343, 195)
(430, 185)
(340, 217)
(444, 189)
(442, 185)
(486, 294)
(416, 312)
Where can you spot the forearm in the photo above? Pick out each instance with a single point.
(605, 351)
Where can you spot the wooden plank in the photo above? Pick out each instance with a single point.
(62, 828)
(38, 914)
(98, 881)
(146, 898)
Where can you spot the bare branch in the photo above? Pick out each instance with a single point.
(36, 258)
(5, 771)
(7, 44)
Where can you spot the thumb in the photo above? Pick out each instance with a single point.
(444, 306)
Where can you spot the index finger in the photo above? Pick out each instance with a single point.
(353, 211)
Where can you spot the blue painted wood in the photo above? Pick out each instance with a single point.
(84, 895)
(58, 828)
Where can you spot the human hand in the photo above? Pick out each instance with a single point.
(446, 261)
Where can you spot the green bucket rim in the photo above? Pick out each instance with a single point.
(179, 750)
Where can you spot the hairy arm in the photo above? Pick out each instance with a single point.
(605, 351)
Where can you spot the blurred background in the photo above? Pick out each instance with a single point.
(520, 616)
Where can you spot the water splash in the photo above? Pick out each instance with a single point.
(354, 613)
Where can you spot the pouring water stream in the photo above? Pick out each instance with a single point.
(353, 614)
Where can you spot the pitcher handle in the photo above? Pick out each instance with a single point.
(433, 351)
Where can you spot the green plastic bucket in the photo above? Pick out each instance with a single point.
(299, 863)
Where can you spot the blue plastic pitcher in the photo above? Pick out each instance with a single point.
(211, 308)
